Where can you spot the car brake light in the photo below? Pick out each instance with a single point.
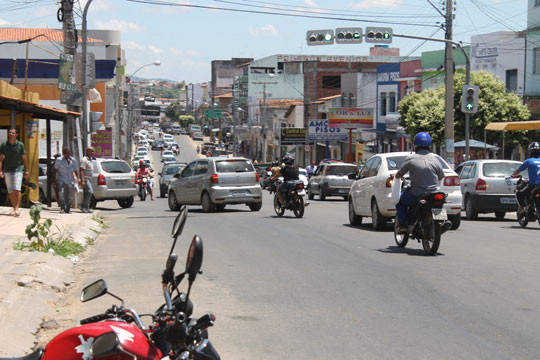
(451, 181)
(481, 184)
(438, 196)
(214, 178)
(389, 181)
(301, 186)
(101, 180)
(257, 178)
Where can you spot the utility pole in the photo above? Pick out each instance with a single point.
(70, 45)
(449, 87)
(263, 128)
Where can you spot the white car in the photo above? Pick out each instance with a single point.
(167, 153)
(168, 137)
(143, 154)
(370, 194)
(302, 175)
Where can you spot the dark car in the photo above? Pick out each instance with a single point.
(166, 175)
(157, 144)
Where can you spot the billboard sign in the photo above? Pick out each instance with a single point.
(293, 136)
(320, 130)
(351, 118)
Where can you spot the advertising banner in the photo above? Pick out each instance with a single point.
(320, 130)
(293, 136)
(351, 118)
(66, 73)
(102, 143)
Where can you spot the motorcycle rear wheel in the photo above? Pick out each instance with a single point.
(298, 206)
(401, 239)
(431, 238)
(277, 207)
(523, 219)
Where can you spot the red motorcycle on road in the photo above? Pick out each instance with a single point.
(119, 333)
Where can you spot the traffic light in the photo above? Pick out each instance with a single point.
(320, 37)
(348, 35)
(378, 35)
(469, 99)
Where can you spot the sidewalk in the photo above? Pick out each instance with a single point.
(31, 282)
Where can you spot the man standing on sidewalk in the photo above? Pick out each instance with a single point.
(66, 168)
(14, 167)
(87, 168)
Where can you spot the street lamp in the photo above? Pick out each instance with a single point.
(129, 104)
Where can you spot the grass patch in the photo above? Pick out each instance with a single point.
(61, 243)
(101, 221)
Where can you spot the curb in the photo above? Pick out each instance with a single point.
(32, 284)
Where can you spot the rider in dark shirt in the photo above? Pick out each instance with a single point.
(290, 175)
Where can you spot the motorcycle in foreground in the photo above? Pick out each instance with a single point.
(144, 183)
(119, 333)
(293, 200)
(427, 222)
(532, 203)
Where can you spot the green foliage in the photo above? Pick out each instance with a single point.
(37, 232)
(425, 111)
(173, 110)
(185, 120)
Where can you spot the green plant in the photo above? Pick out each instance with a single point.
(38, 232)
(101, 221)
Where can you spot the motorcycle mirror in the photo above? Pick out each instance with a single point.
(179, 222)
(106, 345)
(94, 290)
(194, 258)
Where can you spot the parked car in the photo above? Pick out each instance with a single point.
(167, 174)
(215, 182)
(486, 188)
(331, 179)
(113, 179)
(370, 194)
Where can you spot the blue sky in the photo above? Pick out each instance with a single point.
(186, 38)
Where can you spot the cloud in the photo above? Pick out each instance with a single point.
(311, 3)
(98, 6)
(3, 22)
(370, 4)
(268, 30)
(115, 24)
(132, 45)
(155, 49)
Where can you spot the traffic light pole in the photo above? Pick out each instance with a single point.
(467, 79)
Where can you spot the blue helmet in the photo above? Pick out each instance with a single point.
(422, 139)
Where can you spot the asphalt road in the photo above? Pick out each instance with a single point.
(318, 288)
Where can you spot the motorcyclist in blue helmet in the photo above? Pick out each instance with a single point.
(425, 172)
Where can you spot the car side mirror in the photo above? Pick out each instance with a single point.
(352, 176)
(177, 176)
(159, 173)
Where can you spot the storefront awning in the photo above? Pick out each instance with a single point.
(35, 110)
(514, 125)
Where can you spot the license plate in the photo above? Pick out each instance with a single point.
(439, 214)
(121, 182)
(508, 200)
(344, 191)
(240, 193)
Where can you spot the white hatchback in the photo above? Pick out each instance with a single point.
(370, 194)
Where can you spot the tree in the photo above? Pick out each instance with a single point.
(173, 110)
(425, 111)
(185, 120)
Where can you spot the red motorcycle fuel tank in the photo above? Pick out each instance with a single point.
(75, 343)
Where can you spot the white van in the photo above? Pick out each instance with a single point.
(193, 129)
(175, 129)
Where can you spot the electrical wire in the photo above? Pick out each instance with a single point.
(165, 3)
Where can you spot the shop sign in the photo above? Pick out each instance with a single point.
(293, 136)
(351, 118)
(320, 130)
(102, 143)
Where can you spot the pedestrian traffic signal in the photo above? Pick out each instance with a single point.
(469, 99)
(320, 37)
(349, 35)
(378, 35)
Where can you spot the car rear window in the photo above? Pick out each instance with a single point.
(232, 166)
(341, 169)
(171, 170)
(117, 167)
(499, 169)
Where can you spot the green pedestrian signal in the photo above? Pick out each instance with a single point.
(469, 99)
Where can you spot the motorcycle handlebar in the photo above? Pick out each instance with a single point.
(95, 318)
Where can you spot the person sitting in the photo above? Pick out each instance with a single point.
(143, 171)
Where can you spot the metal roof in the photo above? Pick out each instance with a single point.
(36, 110)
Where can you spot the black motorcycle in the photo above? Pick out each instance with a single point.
(532, 203)
(293, 200)
(428, 221)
